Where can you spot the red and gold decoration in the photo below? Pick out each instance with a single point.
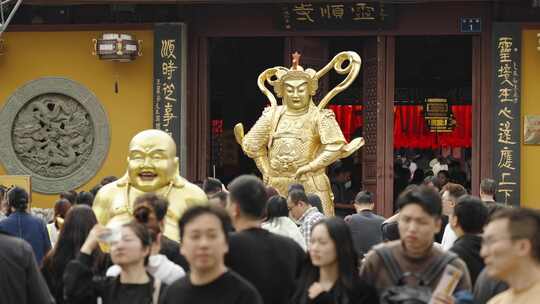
(438, 116)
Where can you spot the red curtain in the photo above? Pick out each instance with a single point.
(349, 118)
(410, 128)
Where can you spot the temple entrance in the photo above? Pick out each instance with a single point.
(437, 70)
(385, 105)
(235, 64)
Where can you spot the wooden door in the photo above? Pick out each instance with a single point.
(378, 172)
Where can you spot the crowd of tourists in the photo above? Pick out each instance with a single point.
(251, 245)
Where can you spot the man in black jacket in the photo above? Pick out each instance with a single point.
(365, 225)
(20, 279)
(271, 262)
(470, 216)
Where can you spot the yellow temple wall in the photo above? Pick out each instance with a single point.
(31, 55)
(530, 154)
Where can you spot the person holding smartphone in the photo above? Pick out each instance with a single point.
(130, 250)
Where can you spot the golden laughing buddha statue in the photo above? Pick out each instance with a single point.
(152, 167)
(296, 141)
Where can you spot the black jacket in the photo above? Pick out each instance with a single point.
(366, 231)
(80, 284)
(20, 279)
(467, 248)
(171, 249)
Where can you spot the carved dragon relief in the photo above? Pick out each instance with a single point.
(53, 135)
(55, 130)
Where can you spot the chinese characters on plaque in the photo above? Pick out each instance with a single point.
(167, 78)
(346, 15)
(506, 111)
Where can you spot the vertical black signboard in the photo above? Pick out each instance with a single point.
(167, 79)
(506, 86)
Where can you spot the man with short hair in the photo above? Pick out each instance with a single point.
(450, 194)
(487, 190)
(415, 253)
(20, 223)
(488, 187)
(444, 177)
(365, 225)
(511, 251)
(212, 185)
(315, 201)
(204, 244)
(341, 184)
(295, 186)
(303, 213)
(432, 181)
(470, 216)
(272, 263)
(218, 199)
(71, 196)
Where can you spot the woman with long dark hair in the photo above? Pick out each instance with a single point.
(77, 224)
(130, 249)
(331, 274)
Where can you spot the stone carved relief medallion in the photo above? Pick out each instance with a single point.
(55, 130)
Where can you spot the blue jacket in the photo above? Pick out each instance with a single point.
(29, 228)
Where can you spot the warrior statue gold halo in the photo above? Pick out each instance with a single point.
(296, 141)
(152, 167)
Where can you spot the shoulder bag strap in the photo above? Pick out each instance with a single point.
(433, 270)
(390, 262)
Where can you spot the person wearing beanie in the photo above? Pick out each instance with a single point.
(23, 225)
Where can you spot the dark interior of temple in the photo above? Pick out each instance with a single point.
(425, 67)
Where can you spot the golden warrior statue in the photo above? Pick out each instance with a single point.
(152, 167)
(296, 141)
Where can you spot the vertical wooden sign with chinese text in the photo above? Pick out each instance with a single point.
(506, 86)
(169, 88)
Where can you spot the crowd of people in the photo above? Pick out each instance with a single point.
(249, 244)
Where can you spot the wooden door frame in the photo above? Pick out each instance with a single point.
(387, 207)
(239, 21)
(482, 135)
(198, 114)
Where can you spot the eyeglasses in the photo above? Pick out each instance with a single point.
(492, 240)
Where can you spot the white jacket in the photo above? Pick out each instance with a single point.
(158, 266)
(286, 227)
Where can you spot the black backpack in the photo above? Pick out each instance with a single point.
(401, 293)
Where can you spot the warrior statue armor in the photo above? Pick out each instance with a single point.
(296, 141)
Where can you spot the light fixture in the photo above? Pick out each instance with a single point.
(117, 47)
(538, 36)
